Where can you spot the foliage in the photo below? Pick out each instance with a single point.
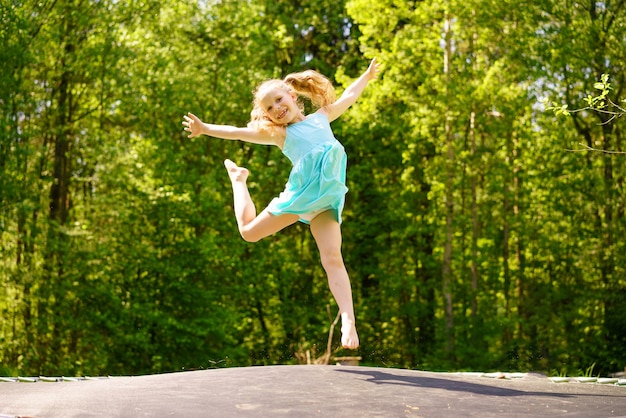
(600, 102)
(474, 239)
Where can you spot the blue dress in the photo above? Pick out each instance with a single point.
(317, 181)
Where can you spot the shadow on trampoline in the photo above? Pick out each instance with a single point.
(384, 378)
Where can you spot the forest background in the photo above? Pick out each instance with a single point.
(480, 232)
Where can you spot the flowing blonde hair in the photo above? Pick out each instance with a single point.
(310, 84)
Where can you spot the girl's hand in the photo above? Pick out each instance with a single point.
(193, 125)
(373, 70)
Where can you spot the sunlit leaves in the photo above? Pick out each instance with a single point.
(149, 273)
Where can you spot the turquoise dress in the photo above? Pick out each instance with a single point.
(317, 181)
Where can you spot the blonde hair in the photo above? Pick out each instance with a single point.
(310, 84)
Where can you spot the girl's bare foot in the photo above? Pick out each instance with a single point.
(349, 336)
(236, 173)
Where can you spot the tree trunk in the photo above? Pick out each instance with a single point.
(449, 199)
(59, 191)
(473, 182)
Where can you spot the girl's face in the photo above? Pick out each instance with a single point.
(281, 107)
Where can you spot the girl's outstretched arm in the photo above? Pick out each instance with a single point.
(196, 127)
(352, 93)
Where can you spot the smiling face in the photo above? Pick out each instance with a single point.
(280, 106)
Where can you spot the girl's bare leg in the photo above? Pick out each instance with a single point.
(244, 207)
(327, 233)
(251, 227)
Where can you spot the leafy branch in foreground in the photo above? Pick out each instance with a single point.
(600, 103)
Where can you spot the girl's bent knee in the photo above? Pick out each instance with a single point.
(248, 236)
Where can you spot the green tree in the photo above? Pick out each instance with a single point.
(510, 246)
(587, 35)
(473, 237)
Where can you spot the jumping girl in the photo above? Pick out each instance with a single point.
(315, 191)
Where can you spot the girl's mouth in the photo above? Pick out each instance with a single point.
(281, 114)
